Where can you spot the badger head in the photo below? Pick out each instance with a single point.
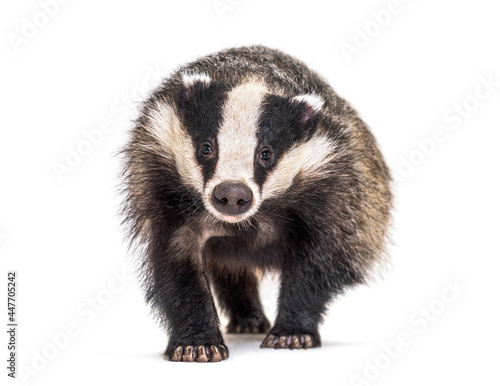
(239, 146)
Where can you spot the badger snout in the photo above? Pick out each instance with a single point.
(232, 198)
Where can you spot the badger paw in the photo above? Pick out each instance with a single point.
(253, 325)
(199, 354)
(296, 341)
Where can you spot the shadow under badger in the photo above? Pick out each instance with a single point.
(246, 161)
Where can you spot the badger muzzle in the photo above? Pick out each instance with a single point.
(232, 198)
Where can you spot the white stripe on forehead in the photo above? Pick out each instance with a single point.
(237, 135)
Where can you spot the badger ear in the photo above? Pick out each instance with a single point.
(193, 82)
(190, 79)
(312, 106)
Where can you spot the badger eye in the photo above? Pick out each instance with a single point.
(206, 149)
(265, 155)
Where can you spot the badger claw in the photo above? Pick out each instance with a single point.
(199, 354)
(296, 341)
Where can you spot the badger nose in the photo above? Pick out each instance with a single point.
(232, 198)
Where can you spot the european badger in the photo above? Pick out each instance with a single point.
(246, 161)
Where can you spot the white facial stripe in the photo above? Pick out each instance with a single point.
(237, 142)
(313, 100)
(237, 136)
(190, 79)
(308, 157)
(175, 144)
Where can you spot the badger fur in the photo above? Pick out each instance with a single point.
(241, 162)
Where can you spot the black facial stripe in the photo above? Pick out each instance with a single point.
(200, 108)
(282, 124)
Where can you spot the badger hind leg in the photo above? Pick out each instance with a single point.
(238, 295)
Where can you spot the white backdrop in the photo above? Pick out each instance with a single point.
(425, 76)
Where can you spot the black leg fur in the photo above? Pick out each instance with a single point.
(182, 297)
(301, 304)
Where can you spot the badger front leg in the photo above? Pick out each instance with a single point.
(301, 303)
(307, 284)
(181, 293)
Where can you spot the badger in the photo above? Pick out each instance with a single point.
(245, 162)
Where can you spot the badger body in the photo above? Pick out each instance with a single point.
(246, 161)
